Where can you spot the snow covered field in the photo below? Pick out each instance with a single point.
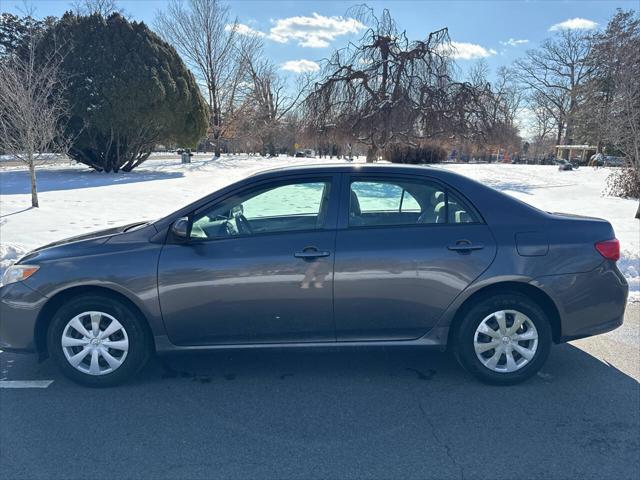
(76, 200)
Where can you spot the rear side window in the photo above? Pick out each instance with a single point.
(459, 211)
(384, 197)
(381, 202)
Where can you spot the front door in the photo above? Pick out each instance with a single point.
(405, 249)
(258, 268)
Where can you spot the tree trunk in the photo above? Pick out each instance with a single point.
(216, 150)
(371, 155)
(559, 139)
(34, 190)
(638, 211)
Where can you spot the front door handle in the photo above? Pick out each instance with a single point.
(465, 246)
(310, 253)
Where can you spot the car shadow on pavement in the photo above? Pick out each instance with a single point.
(578, 417)
(336, 413)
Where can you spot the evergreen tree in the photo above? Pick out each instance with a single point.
(127, 90)
(16, 33)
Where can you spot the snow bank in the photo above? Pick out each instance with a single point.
(76, 200)
(629, 265)
(9, 254)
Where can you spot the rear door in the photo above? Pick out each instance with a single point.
(405, 248)
(258, 267)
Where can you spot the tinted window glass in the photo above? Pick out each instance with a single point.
(289, 207)
(383, 197)
(286, 200)
(400, 202)
(459, 210)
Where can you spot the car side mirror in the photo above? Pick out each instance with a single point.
(180, 228)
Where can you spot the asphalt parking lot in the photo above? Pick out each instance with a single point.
(366, 413)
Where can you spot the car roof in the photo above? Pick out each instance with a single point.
(348, 167)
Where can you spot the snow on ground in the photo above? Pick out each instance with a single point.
(76, 200)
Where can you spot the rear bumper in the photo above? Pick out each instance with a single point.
(19, 310)
(589, 303)
(595, 330)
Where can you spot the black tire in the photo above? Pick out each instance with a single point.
(139, 348)
(464, 337)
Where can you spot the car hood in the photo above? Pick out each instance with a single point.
(97, 237)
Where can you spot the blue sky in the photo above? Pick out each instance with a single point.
(299, 34)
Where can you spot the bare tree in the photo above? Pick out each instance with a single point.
(613, 95)
(388, 90)
(545, 120)
(269, 98)
(31, 109)
(206, 38)
(494, 112)
(100, 7)
(611, 111)
(555, 74)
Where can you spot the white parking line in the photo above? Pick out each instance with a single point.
(25, 383)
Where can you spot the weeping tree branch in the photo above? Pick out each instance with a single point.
(387, 90)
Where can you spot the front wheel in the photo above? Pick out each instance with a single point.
(503, 339)
(97, 341)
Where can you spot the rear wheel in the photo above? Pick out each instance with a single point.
(97, 341)
(503, 339)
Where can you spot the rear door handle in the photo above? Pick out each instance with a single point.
(311, 253)
(465, 247)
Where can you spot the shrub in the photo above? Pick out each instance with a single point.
(127, 90)
(416, 155)
(624, 182)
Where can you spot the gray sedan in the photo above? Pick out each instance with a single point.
(316, 256)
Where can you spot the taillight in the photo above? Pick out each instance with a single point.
(609, 249)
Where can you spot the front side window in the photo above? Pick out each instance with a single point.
(377, 202)
(279, 208)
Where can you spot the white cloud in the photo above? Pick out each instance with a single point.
(512, 42)
(316, 31)
(469, 51)
(574, 24)
(243, 29)
(300, 66)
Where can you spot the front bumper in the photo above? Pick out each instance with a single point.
(589, 303)
(19, 310)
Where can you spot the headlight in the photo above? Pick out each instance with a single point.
(17, 273)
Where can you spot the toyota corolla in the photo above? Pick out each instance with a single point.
(334, 255)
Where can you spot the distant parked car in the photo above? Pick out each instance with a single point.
(335, 255)
(308, 153)
(611, 161)
(601, 160)
(564, 165)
